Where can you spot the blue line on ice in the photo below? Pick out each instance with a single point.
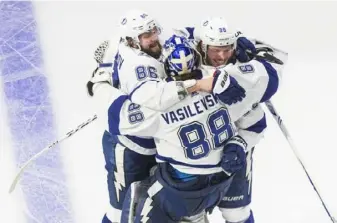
(30, 115)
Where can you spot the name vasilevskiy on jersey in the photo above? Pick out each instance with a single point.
(188, 111)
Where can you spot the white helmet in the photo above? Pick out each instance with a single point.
(215, 32)
(135, 23)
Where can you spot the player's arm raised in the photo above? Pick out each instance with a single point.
(157, 94)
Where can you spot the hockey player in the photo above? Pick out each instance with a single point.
(137, 50)
(217, 45)
(137, 70)
(190, 139)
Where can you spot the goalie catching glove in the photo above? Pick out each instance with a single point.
(266, 52)
(103, 72)
(100, 75)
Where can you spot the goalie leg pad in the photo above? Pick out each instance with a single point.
(139, 207)
(169, 200)
(199, 218)
(179, 199)
(124, 167)
(236, 215)
(239, 216)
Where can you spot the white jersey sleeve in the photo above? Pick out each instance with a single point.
(126, 118)
(251, 126)
(158, 95)
(283, 56)
(123, 116)
(190, 33)
(141, 76)
(258, 78)
(279, 54)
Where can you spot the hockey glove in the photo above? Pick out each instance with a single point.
(266, 52)
(103, 72)
(226, 88)
(245, 50)
(234, 155)
(100, 75)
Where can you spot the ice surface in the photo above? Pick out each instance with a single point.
(69, 33)
(30, 115)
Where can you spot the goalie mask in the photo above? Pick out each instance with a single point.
(180, 57)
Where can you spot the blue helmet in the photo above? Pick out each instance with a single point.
(180, 57)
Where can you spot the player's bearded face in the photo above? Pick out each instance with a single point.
(149, 43)
(219, 55)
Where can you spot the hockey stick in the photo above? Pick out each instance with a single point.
(43, 151)
(285, 132)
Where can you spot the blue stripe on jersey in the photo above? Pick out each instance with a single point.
(273, 80)
(114, 113)
(175, 162)
(114, 120)
(259, 126)
(190, 31)
(115, 74)
(132, 92)
(143, 142)
(105, 65)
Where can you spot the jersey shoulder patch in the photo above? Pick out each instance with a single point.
(246, 68)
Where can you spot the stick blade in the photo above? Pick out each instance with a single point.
(17, 177)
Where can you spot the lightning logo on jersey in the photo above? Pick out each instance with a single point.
(249, 170)
(119, 173)
(146, 210)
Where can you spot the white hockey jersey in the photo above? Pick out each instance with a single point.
(135, 68)
(140, 76)
(249, 127)
(190, 135)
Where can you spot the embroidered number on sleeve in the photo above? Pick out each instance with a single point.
(134, 114)
(143, 72)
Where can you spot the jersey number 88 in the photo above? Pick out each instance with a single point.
(193, 136)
